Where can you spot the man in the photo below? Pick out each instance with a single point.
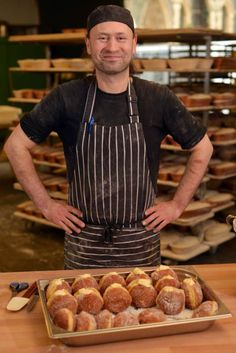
(111, 126)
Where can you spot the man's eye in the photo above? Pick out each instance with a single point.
(103, 38)
(121, 39)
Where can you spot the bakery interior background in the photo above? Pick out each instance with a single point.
(23, 246)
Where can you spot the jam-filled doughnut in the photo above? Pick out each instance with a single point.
(84, 281)
(85, 322)
(207, 308)
(171, 300)
(162, 271)
(193, 293)
(126, 318)
(110, 278)
(116, 298)
(142, 292)
(57, 284)
(136, 273)
(150, 315)
(89, 299)
(65, 319)
(166, 281)
(104, 319)
(61, 299)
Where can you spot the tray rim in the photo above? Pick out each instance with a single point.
(188, 270)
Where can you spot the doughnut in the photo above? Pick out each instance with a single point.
(61, 299)
(166, 281)
(142, 292)
(150, 315)
(104, 319)
(84, 281)
(110, 278)
(207, 308)
(193, 293)
(136, 273)
(162, 271)
(116, 298)
(85, 322)
(65, 319)
(89, 299)
(125, 318)
(171, 300)
(56, 284)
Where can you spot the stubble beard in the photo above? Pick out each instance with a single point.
(109, 70)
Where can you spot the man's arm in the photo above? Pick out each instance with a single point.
(159, 215)
(17, 148)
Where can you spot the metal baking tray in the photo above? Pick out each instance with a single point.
(169, 327)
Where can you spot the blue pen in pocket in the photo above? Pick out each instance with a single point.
(90, 125)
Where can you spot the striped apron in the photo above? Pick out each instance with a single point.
(111, 185)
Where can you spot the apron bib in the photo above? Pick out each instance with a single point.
(111, 185)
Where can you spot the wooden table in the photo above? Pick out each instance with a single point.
(26, 332)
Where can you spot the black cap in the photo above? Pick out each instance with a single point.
(105, 13)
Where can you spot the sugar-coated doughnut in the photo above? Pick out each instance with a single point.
(104, 319)
(89, 299)
(142, 292)
(166, 281)
(56, 284)
(193, 293)
(65, 319)
(161, 271)
(85, 322)
(61, 299)
(116, 298)
(171, 300)
(137, 273)
(110, 278)
(84, 281)
(125, 318)
(150, 315)
(207, 308)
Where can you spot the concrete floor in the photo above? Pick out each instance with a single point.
(28, 247)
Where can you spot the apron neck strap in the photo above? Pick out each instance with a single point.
(91, 96)
(90, 100)
(132, 103)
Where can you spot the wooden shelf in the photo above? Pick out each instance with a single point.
(78, 69)
(48, 164)
(55, 194)
(223, 207)
(201, 248)
(184, 35)
(24, 100)
(221, 177)
(35, 219)
(51, 69)
(221, 240)
(175, 184)
(193, 220)
(224, 143)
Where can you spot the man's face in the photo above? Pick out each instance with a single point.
(111, 46)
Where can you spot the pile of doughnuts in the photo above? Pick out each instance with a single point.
(117, 300)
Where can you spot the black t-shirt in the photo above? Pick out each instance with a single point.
(160, 113)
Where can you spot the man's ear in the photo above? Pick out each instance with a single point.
(135, 39)
(87, 42)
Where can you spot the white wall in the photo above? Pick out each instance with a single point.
(19, 12)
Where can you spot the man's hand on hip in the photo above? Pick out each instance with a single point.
(65, 216)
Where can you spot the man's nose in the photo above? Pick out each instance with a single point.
(111, 44)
